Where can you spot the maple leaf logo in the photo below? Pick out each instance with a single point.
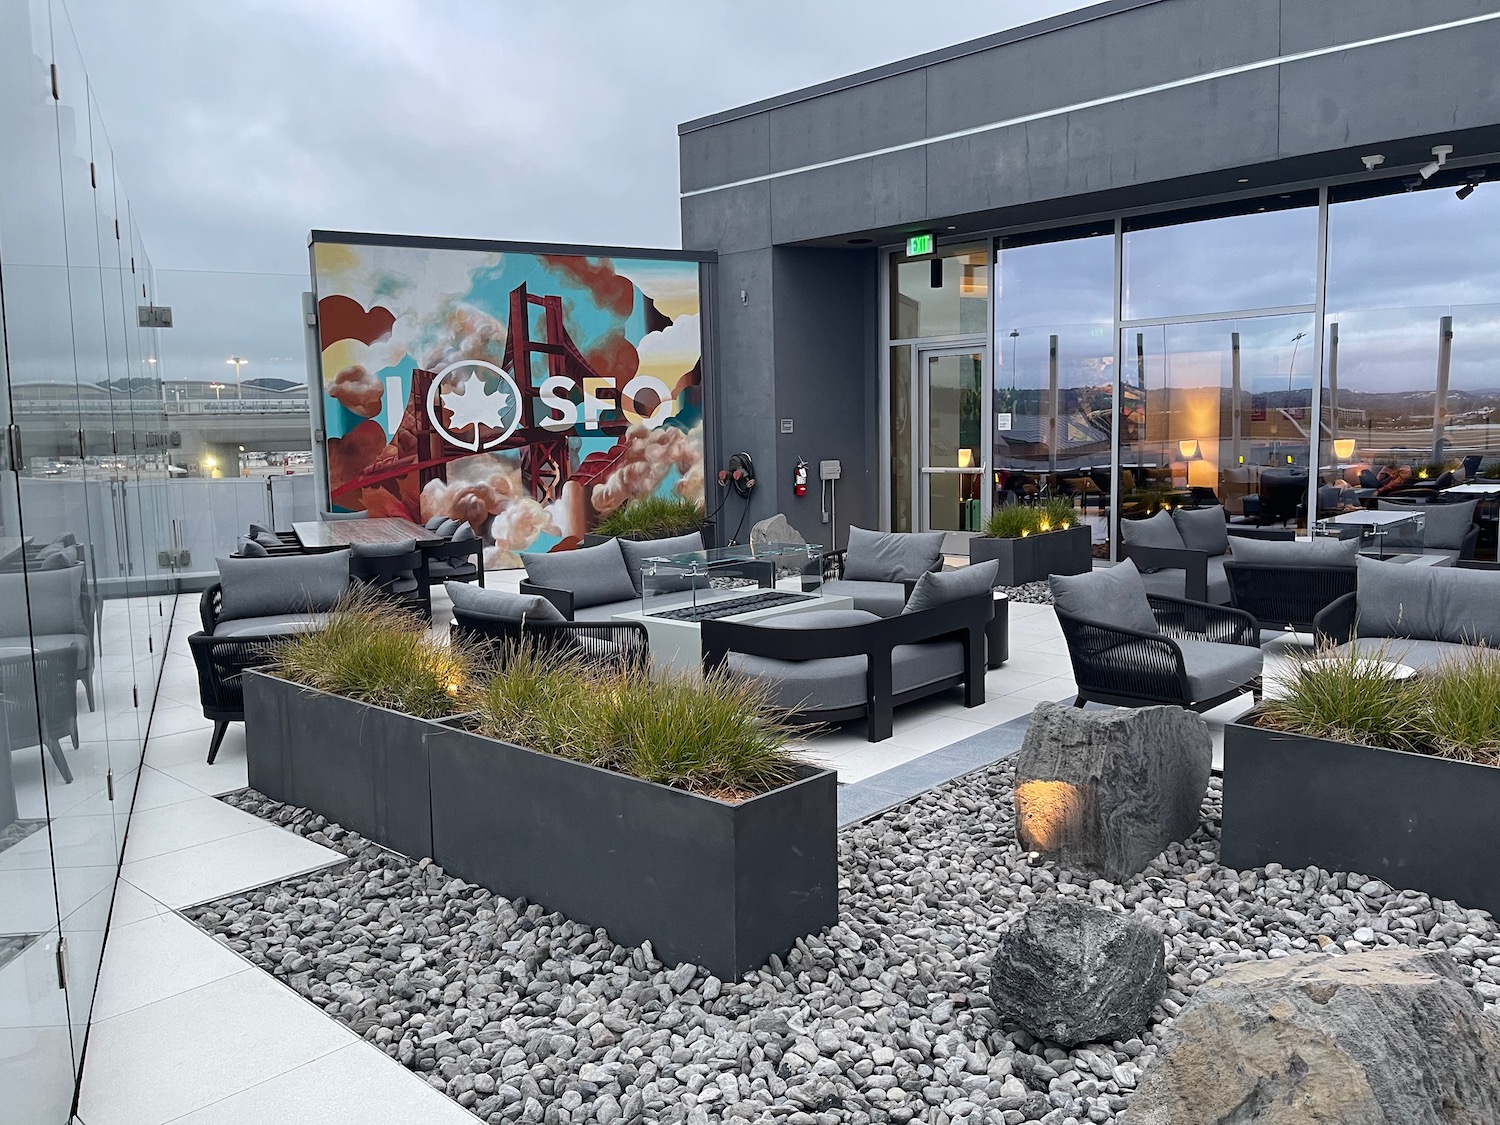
(471, 405)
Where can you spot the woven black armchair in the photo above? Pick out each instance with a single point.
(1130, 668)
(222, 662)
(606, 643)
(1286, 597)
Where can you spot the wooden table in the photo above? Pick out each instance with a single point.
(320, 536)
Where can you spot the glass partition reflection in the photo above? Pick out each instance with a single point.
(944, 295)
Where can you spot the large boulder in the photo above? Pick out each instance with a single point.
(1073, 973)
(1106, 791)
(772, 530)
(1384, 1037)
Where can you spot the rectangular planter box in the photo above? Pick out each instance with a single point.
(360, 765)
(717, 884)
(1414, 821)
(1033, 558)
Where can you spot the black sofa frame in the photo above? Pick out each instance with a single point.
(964, 620)
(1286, 597)
(222, 662)
(614, 643)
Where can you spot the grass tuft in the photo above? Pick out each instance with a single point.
(1451, 711)
(380, 654)
(1011, 521)
(652, 517)
(715, 736)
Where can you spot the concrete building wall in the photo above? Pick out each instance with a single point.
(1280, 120)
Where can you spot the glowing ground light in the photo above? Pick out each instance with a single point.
(1046, 810)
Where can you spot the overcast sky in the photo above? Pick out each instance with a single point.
(239, 126)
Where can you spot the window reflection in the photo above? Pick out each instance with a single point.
(1261, 258)
(947, 295)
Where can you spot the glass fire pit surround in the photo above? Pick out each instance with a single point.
(694, 584)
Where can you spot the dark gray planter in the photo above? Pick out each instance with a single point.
(706, 529)
(712, 883)
(362, 766)
(1414, 821)
(1033, 558)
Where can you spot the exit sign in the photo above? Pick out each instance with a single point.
(918, 244)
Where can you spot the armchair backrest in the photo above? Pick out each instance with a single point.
(892, 556)
(279, 585)
(1433, 603)
(54, 599)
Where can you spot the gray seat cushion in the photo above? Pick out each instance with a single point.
(636, 552)
(503, 604)
(55, 603)
(76, 643)
(1203, 529)
(892, 556)
(1322, 551)
(441, 568)
(1213, 669)
(1421, 655)
(271, 625)
(935, 589)
(285, 584)
(595, 575)
(1114, 596)
(1433, 603)
(1172, 583)
(842, 681)
(885, 599)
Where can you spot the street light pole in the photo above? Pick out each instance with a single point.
(238, 363)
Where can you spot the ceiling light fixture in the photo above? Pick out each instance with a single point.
(1373, 161)
(1472, 181)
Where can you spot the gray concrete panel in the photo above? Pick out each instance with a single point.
(745, 376)
(898, 187)
(728, 221)
(1307, 26)
(891, 111)
(736, 150)
(827, 380)
(822, 202)
(1430, 85)
(1227, 123)
(1130, 50)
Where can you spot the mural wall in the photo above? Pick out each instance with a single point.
(528, 394)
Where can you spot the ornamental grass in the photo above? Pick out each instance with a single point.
(652, 517)
(1449, 711)
(1015, 521)
(715, 736)
(380, 654)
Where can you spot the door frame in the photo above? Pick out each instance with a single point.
(920, 432)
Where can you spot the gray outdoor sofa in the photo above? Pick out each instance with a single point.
(878, 569)
(595, 583)
(1414, 615)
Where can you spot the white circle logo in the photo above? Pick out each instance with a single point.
(471, 406)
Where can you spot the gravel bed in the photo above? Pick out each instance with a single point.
(523, 1016)
(1033, 593)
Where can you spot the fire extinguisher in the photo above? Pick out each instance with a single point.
(799, 478)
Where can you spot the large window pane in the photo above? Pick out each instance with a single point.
(1217, 412)
(1411, 385)
(947, 299)
(1261, 259)
(1054, 370)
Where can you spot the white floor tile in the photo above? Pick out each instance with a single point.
(357, 1085)
(158, 1062)
(132, 905)
(999, 709)
(252, 859)
(1052, 688)
(858, 765)
(169, 718)
(157, 958)
(155, 789)
(186, 824)
(937, 733)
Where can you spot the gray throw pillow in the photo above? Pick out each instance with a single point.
(464, 533)
(55, 608)
(287, 584)
(503, 604)
(637, 552)
(1158, 531)
(268, 539)
(1443, 525)
(60, 560)
(595, 575)
(819, 619)
(447, 528)
(892, 556)
(1322, 551)
(250, 549)
(1113, 596)
(933, 590)
(434, 523)
(258, 529)
(1203, 529)
(1430, 603)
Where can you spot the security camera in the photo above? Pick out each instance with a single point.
(1440, 154)
(1373, 161)
(1471, 181)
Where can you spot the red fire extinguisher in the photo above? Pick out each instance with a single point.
(799, 478)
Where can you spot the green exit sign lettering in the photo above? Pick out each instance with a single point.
(918, 244)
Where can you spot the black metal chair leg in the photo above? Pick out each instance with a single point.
(1079, 702)
(88, 689)
(54, 747)
(220, 726)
